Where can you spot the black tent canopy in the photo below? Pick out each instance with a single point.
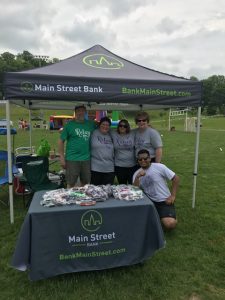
(102, 80)
(98, 75)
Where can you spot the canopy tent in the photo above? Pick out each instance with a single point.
(101, 79)
(3, 131)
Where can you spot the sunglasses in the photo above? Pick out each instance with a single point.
(123, 126)
(141, 120)
(143, 158)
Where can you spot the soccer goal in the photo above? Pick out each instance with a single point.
(189, 123)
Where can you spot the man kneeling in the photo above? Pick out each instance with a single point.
(152, 179)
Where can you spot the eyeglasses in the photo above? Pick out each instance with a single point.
(143, 158)
(141, 120)
(123, 126)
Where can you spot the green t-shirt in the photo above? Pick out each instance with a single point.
(77, 135)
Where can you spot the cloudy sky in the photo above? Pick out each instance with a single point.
(178, 37)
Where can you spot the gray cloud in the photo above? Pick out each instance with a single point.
(183, 39)
(21, 24)
(168, 26)
(87, 33)
(113, 8)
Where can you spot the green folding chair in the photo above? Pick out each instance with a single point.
(36, 175)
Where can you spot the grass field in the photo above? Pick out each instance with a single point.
(192, 264)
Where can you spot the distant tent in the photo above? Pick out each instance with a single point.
(58, 122)
(3, 131)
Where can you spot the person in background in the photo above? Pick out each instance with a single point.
(23, 124)
(125, 162)
(51, 125)
(20, 123)
(152, 179)
(147, 137)
(102, 154)
(76, 133)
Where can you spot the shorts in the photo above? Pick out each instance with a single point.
(165, 210)
(124, 175)
(78, 169)
(99, 178)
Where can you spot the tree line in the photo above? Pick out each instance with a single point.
(213, 87)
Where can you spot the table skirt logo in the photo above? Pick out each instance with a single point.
(102, 61)
(27, 86)
(91, 220)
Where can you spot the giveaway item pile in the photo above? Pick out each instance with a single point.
(90, 194)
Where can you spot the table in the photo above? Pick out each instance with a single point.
(75, 238)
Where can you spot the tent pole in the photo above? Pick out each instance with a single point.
(30, 128)
(9, 149)
(186, 120)
(169, 120)
(196, 156)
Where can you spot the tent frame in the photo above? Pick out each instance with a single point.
(9, 149)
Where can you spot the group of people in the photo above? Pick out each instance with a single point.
(96, 154)
(23, 124)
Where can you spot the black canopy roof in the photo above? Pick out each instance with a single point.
(98, 75)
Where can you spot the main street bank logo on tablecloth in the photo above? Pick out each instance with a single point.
(102, 61)
(91, 220)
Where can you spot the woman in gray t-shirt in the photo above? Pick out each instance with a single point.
(102, 154)
(147, 137)
(125, 162)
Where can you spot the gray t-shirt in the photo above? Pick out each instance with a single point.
(154, 183)
(124, 149)
(148, 139)
(102, 152)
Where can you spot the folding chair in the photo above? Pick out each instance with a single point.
(24, 150)
(21, 186)
(4, 179)
(23, 154)
(36, 174)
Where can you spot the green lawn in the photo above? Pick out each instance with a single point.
(192, 264)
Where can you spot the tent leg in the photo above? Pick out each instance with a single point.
(196, 156)
(9, 149)
(169, 126)
(30, 131)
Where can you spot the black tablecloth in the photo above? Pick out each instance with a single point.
(75, 238)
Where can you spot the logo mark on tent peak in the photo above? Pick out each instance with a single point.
(102, 61)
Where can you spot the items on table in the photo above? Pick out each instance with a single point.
(90, 194)
(127, 192)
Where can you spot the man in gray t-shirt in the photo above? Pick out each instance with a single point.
(152, 178)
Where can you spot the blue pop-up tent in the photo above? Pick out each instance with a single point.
(3, 131)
